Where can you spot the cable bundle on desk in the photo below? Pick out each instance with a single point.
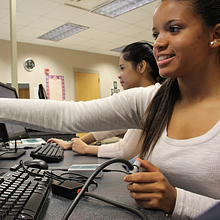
(78, 177)
(72, 177)
(94, 174)
(90, 180)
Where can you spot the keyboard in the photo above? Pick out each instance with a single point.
(49, 152)
(22, 195)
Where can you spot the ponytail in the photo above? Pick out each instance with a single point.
(158, 114)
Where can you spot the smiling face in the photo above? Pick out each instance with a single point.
(181, 44)
(129, 77)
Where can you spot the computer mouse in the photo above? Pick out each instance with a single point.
(36, 163)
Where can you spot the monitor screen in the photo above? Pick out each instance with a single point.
(9, 131)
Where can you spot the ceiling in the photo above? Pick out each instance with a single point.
(36, 17)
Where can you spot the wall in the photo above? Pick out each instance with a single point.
(60, 62)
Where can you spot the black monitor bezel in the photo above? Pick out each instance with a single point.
(4, 136)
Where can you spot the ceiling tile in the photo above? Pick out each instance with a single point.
(151, 6)
(74, 39)
(36, 7)
(109, 46)
(4, 4)
(134, 16)
(109, 37)
(130, 29)
(91, 33)
(65, 13)
(41, 42)
(37, 17)
(147, 24)
(90, 19)
(92, 43)
(3, 13)
(30, 32)
(111, 25)
(85, 4)
(5, 29)
(26, 19)
(46, 23)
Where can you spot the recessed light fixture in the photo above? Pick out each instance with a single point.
(119, 7)
(63, 31)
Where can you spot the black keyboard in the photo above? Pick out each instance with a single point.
(22, 195)
(49, 152)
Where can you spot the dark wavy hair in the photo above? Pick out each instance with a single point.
(159, 111)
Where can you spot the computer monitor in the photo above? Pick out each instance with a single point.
(10, 132)
(42, 92)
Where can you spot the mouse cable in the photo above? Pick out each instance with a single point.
(120, 205)
(93, 175)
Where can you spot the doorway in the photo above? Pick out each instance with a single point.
(23, 90)
(87, 87)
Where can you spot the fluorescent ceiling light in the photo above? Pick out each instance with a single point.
(119, 7)
(63, 31)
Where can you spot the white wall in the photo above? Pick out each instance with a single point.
(60, 62)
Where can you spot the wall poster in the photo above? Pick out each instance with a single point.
(55, 87)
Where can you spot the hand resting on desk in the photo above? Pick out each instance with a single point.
(77, 145)
(82, 148)
(66, 145)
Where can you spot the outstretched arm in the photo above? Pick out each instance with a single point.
(121, 111)
(126, 148)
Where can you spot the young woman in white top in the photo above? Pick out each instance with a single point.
(138, 68)
(181, 117)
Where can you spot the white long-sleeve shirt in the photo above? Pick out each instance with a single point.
(192, 166)
(101, 135)
(127, 147)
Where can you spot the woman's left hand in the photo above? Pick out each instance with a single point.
(151, 189)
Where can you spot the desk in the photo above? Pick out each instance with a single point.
(111, 186)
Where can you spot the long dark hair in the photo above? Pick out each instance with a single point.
(159, 111)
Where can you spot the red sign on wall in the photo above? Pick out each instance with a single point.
(46, 71)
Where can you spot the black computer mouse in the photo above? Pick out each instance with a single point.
(36, 163)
